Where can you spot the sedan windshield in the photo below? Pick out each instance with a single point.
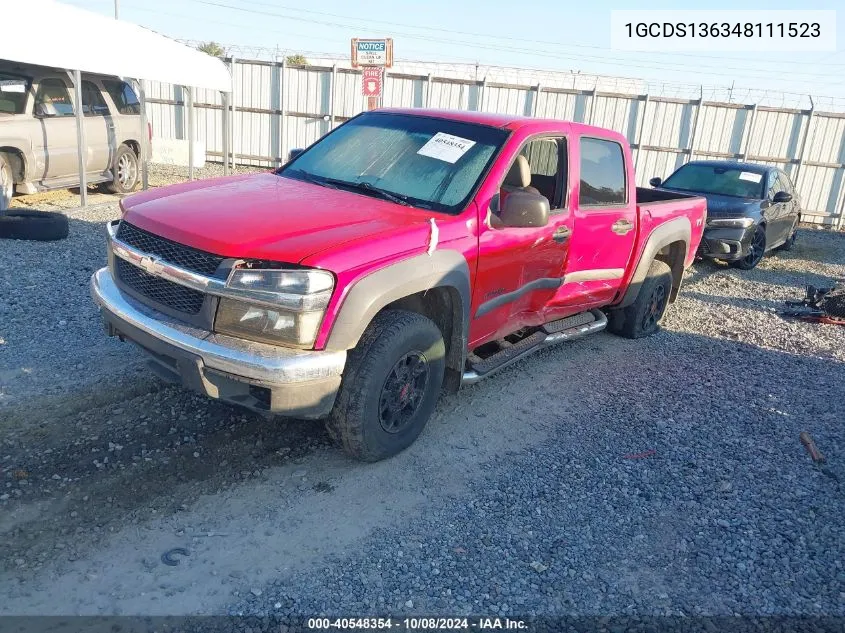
(418, 161)
(717, 179)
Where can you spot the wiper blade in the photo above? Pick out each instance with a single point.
(387, 195)
(334, 183)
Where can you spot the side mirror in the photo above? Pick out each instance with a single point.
(524, 209)
(782, 196)
(294, 153)
(656, 181)
(42, 111)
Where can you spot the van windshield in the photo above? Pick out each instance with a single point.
(13, 91)
(721, 180)
(418, 161)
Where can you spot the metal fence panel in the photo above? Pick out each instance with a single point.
(278, 109)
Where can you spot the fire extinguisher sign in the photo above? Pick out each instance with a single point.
(371, 81)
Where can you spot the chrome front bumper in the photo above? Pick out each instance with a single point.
(256, 375)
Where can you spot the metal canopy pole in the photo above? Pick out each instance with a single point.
(82, 147)
(145, 138)
(190, 94)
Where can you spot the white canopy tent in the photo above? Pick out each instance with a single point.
(48, 33)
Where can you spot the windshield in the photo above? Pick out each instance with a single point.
(420, 161)
(717, 179)
(13, 91)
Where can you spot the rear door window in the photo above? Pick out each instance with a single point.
(53, 99)
(602, 173)
(124, 97)
(93, 103)
(13, 91)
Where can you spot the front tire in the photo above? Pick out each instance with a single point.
(643, 317)
(7, 184)
(390, 387)
(755, 251)
(124, 171)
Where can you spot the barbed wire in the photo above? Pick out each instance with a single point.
(558, 78)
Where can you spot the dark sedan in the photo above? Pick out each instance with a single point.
(751, 209)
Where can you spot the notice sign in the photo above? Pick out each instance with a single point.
(371, 82)
(372, 52)
(446, 147)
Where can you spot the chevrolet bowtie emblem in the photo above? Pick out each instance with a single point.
(150, 264)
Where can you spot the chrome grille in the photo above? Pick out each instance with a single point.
(160, 290)
(171, 252)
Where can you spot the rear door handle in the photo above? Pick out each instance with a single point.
(621, 227)
(562, 234)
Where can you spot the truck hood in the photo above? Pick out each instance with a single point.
(724, 206)
(265, 216)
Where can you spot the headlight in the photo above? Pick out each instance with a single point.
(743, 223)
(276, 306)
(276, 326)
(298, 290)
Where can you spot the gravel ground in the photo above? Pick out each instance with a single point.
(614, 477)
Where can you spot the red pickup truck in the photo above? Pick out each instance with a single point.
(405, 252)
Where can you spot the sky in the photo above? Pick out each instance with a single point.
(542, 34)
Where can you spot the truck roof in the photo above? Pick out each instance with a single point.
(509, 121)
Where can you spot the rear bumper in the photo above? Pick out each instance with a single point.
(727, 244)
(262, 377)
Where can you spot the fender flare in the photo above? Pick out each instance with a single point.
(675, 230)
(23, 148)
(443, 268)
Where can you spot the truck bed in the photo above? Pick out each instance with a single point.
(652, 196)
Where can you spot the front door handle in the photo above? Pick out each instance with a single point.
(622, 227)
(561, 234)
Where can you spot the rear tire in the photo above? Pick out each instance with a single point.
(643, 317)
(390, 387)
(7, 184)
(790, 241)
(124, 171)
(38, 226)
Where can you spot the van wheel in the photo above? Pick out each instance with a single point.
(124, 170)
(7, 183)
(643, 317)
(391, 384)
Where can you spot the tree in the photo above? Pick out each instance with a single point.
(296, 60)
(212, 48)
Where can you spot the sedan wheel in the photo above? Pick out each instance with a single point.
(756, 250)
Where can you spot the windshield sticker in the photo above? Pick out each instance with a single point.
(446, 147)
(750, 176)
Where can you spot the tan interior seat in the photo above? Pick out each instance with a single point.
(519, 175)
